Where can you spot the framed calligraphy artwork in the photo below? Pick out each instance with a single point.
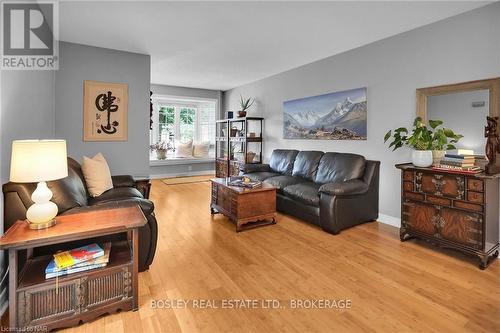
(105, 108)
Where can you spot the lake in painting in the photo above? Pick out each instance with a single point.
(335, 116)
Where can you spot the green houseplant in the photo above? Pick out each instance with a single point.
(245, 105)
(428, 143)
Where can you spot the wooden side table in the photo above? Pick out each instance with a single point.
(36, 302)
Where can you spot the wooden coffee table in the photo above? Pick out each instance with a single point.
(247, 208)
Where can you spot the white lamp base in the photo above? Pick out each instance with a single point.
(42, 213)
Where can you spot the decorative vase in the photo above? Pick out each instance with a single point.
(242, 114)
(421, 158)
(437, 156)
(161, 154)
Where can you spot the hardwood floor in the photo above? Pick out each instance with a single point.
(393, 286)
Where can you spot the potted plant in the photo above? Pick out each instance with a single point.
(424, 140)
(161, 148)
(245, 105)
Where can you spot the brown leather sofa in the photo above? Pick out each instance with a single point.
(332, 190)
(71, 196)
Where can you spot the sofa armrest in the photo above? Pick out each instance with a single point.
(250, 168)
(123, 181)
(350, 187)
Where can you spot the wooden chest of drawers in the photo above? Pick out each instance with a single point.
(451, 210)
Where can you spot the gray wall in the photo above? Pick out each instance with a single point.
(159, 171)
(27, 112)
(461, 48)
(458, 114)
(81, 62)
(46, 104)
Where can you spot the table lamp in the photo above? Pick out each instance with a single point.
(39, 161)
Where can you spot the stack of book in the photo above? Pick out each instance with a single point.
(460, 163)
(78, 260)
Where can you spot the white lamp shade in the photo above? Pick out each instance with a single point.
(38, 161)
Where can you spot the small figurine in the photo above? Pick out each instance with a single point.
(492, 145)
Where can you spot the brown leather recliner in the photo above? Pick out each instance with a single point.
(71, 196)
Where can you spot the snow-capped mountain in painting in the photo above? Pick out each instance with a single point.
(335, 116)
(307, 118)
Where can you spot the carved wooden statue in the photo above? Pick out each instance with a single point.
(492, 145)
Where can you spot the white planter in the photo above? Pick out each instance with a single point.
(421, 158)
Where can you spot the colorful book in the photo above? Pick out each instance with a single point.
(104, 259)
(73, 270)
(75, 256)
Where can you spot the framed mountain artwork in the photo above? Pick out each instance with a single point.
(105, 108)
(334, 116)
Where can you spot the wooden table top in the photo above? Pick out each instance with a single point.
(408, 166)
(75, 226)
(242, 190)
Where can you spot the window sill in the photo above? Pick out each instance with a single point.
(181, 161)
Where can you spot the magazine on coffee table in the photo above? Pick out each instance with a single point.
(244, 182)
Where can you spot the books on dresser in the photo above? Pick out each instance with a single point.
(458, 163)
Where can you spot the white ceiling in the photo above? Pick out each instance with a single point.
(221, 45)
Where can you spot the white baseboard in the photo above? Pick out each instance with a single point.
(183, 174)
(390, 220)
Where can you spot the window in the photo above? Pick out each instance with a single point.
(181, 120)
(166, 123)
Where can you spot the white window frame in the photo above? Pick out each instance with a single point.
(176, 101)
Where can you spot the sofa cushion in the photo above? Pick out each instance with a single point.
(261, 176)
(306, 164)
(282, 181)
(340, 167)
(282, 161)
(116, 194)
(97, 174)
(68, 192)
(307, 193)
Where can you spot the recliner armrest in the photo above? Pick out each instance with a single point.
(350, 187)
(249, 168)
(123, 181)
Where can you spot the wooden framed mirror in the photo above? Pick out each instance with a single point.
(463, 107)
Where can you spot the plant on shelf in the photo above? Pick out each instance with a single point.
(428, 143)
(245, 105)
(161, 148)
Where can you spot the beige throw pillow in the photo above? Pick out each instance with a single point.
(201, 149)
(97, 175)
(184, 149)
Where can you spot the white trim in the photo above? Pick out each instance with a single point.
(389, 220)
(182, 174)
(180, 161)
(184, 98)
